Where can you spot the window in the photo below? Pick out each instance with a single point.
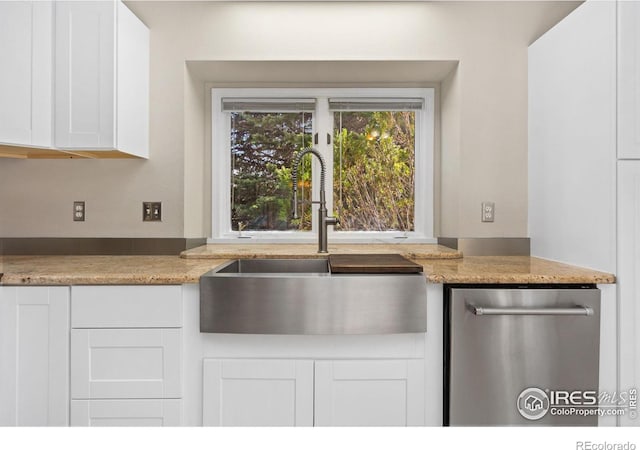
(263, 146)
(378, 148)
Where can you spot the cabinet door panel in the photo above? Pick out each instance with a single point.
(34, 356)
(126, 363)
(257, 392)
(85, 74)
(628, 277)
(629, 80)
(25, 80)
(369, 393)
(16, 25)
(126, 413)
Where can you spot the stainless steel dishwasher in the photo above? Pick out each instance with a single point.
(521, 355)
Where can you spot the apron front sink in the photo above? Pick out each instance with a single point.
(302, 296)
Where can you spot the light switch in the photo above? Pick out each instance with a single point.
(151, 211)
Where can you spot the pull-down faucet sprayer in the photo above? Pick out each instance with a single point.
(323, 219)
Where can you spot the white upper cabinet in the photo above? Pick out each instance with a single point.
(75, 77)
(101, 78)
(25, 78)
(572, 139)
(85, 74)
(629, 80)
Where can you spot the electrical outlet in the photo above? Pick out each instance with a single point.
(488, 211)
(78, 211)
(151, 211)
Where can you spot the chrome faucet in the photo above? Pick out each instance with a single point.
(323, 219)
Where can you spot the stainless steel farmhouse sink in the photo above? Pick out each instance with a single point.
(302, 296)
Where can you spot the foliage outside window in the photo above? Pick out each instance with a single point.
(374, 155)
(263, 146)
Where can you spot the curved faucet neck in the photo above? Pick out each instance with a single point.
(323, 168)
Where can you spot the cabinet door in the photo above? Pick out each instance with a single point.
(85, 74)
(126, 363)
(34, 356)
(628, 277)
(126, 413)
(369, 393)
(25, 78)
(629, 80)
(257, 392)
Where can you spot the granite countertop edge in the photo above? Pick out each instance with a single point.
(173, 270)
(521, 279)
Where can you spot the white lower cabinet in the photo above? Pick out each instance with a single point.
(66, 358)
(126, 356)
(253, 392)
(369, 393)
(125, 363)
(126, 413)
(34, 356)
(264, 392)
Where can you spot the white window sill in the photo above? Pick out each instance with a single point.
(312, 238)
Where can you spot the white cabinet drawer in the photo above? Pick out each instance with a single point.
(124, 363)
(126, 306)
(126, 413)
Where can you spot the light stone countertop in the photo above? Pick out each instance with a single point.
(101, 270)
(76, 270)
(509, 269)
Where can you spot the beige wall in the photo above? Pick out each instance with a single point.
(484, 110)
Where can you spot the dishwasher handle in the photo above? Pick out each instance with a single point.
(490, 311)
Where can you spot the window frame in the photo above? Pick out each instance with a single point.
(322, 123)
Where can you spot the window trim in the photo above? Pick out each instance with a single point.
(323, 119)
